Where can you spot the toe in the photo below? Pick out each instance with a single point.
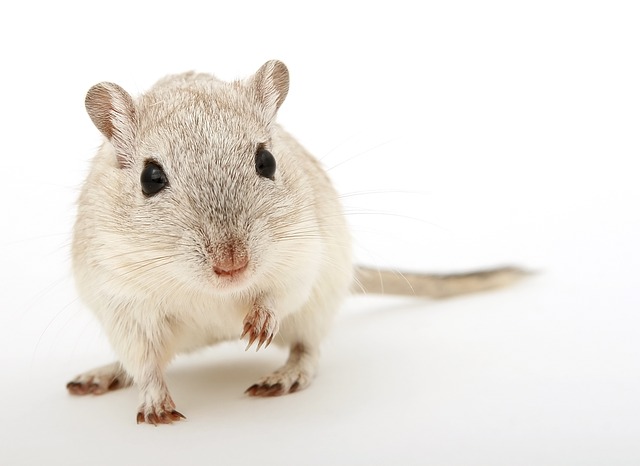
(264, 389)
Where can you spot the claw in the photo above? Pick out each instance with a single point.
(269, 341)
(273, 390)
(260, 325)
(252, 390)
(263, 338)
(176, 416)
(165, 417)
(76, 388)
(247, 327)
(265, 390)
(79, 388)
(251, 340)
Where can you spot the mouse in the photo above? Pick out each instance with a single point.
(201, 220)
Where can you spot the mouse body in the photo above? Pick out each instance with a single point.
(201, 221)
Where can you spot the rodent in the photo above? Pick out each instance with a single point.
(201, 220)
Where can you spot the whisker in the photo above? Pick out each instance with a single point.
(360, 154)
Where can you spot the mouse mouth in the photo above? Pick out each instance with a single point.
(233, 273)
(231, 280)
(229, 263)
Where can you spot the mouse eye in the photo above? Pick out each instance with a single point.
(265, 163)
(152, 179)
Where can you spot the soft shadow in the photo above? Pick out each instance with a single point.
(382, 306)
(209, 381)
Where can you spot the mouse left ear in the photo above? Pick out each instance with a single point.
(271, 85)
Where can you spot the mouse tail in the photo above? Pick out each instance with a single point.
(375, 281)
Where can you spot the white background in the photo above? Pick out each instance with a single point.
(461, 135)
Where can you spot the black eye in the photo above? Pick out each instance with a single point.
(152, 179)
(265, 163)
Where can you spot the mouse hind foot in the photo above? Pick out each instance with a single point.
(295, 375)
(100, 380)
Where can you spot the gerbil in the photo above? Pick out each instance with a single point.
(201, 221)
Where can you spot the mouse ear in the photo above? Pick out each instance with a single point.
(112, 111)
(271, 84)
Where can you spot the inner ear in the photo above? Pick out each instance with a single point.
(271, 85)
(112, 110)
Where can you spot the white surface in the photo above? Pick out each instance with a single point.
(484, 133)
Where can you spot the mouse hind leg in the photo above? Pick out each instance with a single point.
(100, 380)
(296, 374)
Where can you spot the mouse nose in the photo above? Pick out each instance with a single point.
(230, 261)
(228, 268)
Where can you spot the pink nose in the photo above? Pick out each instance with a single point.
(230, 264)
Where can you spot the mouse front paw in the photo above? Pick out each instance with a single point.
(260, 325)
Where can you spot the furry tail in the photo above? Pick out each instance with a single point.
(375, 281)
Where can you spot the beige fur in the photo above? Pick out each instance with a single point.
(153, 268)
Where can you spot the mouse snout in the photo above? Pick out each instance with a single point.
(230, 259)
(230, 266)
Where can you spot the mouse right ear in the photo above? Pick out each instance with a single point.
(112, 111)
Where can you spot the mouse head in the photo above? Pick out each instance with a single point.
(202, 186)
(114, 112)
